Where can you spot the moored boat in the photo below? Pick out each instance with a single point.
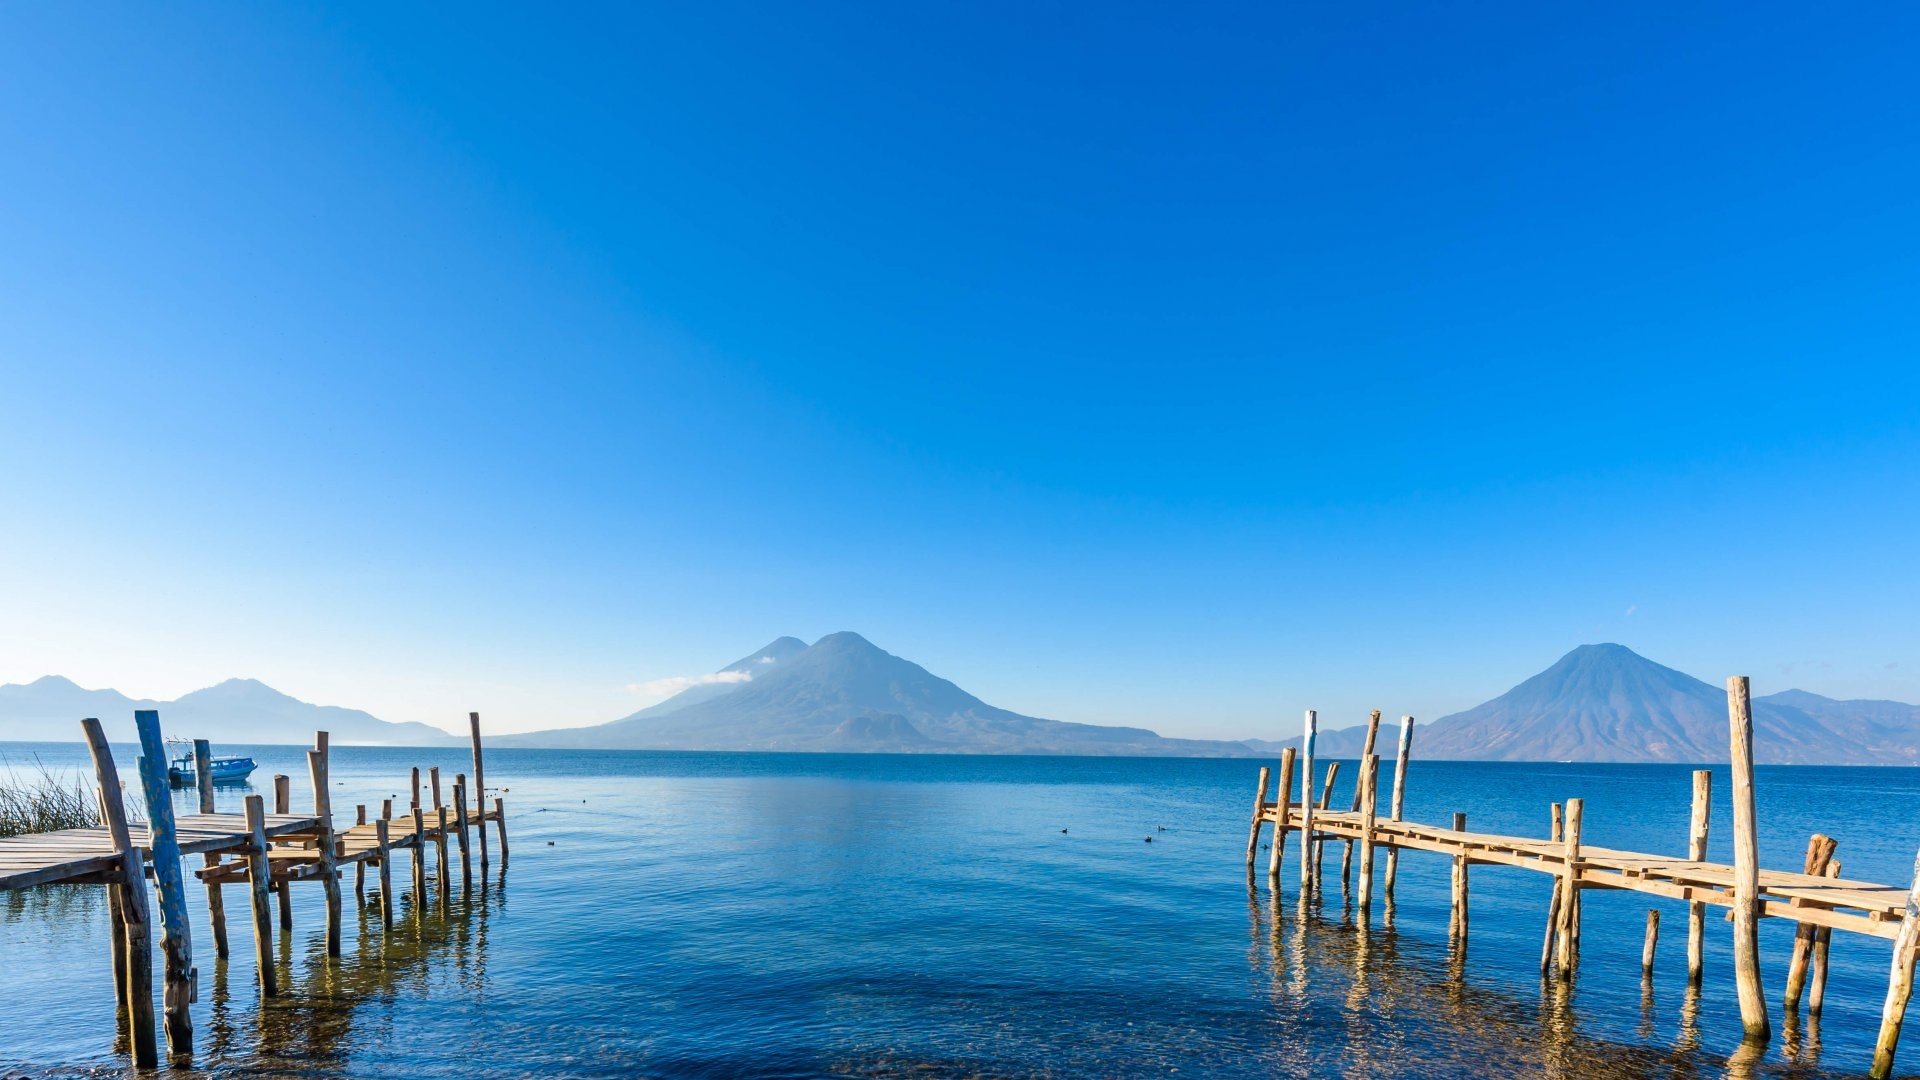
(227, 769)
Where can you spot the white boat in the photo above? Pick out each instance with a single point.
(229, 769)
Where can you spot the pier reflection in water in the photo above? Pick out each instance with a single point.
(1375, 1004)
(335, 1011)
(330, 1011)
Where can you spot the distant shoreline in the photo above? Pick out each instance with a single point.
(988, 755)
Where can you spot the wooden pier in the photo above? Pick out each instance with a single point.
(265, 853)
(1815, 897)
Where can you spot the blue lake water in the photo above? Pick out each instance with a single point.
(688, 914)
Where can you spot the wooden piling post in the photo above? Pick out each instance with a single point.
(323, 841)
(1817, 993)
(444, 878)
(132, 888)
(1697, 852)
(433, 784)
(1369, 811)
(1366, 749)
(479, 783)
(1326, 800)
(283, 804)
(117, 946)
(419, 862)
(416, 787)
(117, 939)
(1284, 797)
(1746, 867)
(1553, 928)
(216, 903)
(1653, 939)
(1820, 850)
(259, 882)
(1259, 808)
(1457, 920)
(360, 868)
(1566, 954)
(385, 849)
(203, 773)
(1306, 803)
(1899, 983)
(1554, 835)
(1326, 789)
(460, 824)
(500, 824)
(170, 882)
(1399, 799)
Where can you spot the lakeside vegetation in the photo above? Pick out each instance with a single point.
(41, 801)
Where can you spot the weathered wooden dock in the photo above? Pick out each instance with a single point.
(1816, 897)
(87, 856)
(264, 852)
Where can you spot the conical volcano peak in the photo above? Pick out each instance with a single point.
(845, 641)
(1602, 649)
(1607, 664)
(1600, 656)
(1605, 702)
(844, 693)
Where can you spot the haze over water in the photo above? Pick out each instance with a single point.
(694, 914)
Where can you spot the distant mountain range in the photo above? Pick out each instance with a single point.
(1609, 703)
(843, 693)
(236, 711)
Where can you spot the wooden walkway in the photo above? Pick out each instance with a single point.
(1858, 906)
(1816, 898)
(265, 853)
(85, 856)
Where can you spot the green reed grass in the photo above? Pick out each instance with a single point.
(41, 801)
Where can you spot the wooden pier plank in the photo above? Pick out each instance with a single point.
(76, 854)
(1823, 901)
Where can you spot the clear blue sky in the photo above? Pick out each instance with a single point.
(1124, 363)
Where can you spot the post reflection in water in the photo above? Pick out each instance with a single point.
(1689, 1041)
(330, 1007)
(1408, 1008)
(1800, 1040)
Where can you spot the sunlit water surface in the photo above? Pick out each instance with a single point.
(679, 914)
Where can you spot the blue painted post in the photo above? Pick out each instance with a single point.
(176, 943)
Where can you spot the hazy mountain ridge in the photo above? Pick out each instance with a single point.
(1608, 703)
(843, 693)
(242, 711)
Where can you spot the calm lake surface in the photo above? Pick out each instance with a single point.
(688, 914)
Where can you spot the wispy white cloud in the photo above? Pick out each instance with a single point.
(766, 660)
(673, 684)
(1631, 608)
